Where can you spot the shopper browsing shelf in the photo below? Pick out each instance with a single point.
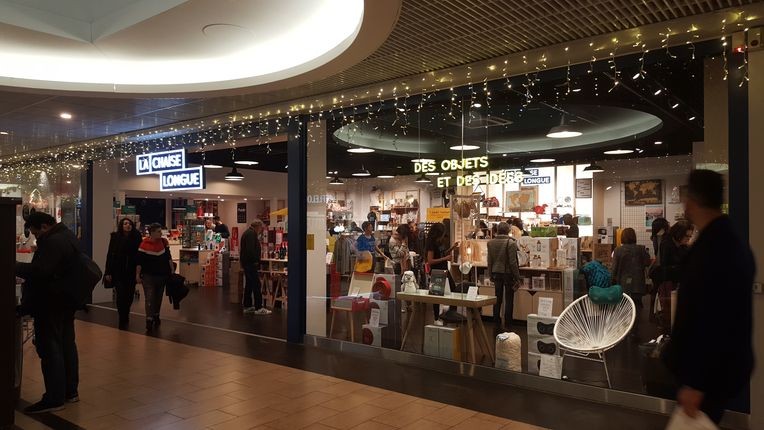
(250, 261)
(439, 253)
(629, 263)
(399, 251)
(221, 228)
(120, 267)
(504, 270)
(711, 350)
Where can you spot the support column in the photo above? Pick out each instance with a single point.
(8, 324)
(756, 228)
(100, 196)
(316, 224)
(297, 176)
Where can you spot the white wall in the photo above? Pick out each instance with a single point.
(104, 180)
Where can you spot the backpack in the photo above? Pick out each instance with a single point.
(87, 275)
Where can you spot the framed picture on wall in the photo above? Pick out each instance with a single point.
(640, 193)
(583, 188)
(522, 201)
(653, 212)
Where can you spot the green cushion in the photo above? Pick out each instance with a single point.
(604, 296)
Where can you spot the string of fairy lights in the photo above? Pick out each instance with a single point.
(203, 135)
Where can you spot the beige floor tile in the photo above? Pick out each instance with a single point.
(477, 423)
(318, 426)
(405, 415)
(430, 403)
(372, 425)
(213, 392)
(303, 418)
(355, 399)
(343, 388)
(516, 425)
(150, 422)
(103, 423)
(423, 424)
(251, 420)
(394, 400)
(451, 415)
(154, 408)
(27, 423)
(248, 406)
(493, 418)
(200, 422)
(203, 407)
(301, 403)
(353, 417)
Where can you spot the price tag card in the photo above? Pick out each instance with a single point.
(374, 318)
(472, 293)
(545, 306)
(551, 366)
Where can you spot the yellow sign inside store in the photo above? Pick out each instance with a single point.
(470, 179)
(438, 214)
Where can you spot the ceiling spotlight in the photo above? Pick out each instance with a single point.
(609, 187)
(419, 160)
(234, 175)
(328, 177)
(576, 90)
(619, 151)
(385, 176)
(636, 76)
(422, 180)
(477, 105)
(659, 142)
(360, 150)
(675, 105)
(640, 150)
(657, 92)
(245, 199)
(246, 162)
(68, 181)
(362, 172)
(563, 130)
(336, 181)
(432, 174)
(691, 118)
(213, 166)
(593, 168)
(401, 109)
(464, 147)
(503, 155)
(65, 115)
(542, 160)
(287, 166)
(4, 133)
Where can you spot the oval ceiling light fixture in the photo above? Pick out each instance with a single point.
(213, 166)
(464, 147)
(234, 175)
(385, 176)
(421, 160)
(360, 150)
(594, 168)
(361, 173)
(543, 160)
(65, 115)
(619, 151)
(246, 162)
(336, 181)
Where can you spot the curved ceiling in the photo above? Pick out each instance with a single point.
(144, 46)
(517, 130)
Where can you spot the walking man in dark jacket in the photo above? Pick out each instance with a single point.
(50, 275)
(250, 262)
(711, 351)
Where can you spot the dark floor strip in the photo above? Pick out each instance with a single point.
(543, 409)
(49, 419)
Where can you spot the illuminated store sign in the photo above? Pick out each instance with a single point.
(174, 175)
(166, 161)
(186, 179)
(472, 179)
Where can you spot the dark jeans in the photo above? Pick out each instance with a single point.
(252, 287)
(503, 283)
(125, 289)
(153, 290)
(54, 341)
(714, 407)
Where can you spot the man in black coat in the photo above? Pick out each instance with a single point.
(48, 279)
(221, 228)
(711, 351)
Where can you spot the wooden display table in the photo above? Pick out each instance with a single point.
(273, 275)
(474, 322)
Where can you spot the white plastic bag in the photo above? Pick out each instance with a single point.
(681, 421)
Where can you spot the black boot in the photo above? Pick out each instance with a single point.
(149, 324)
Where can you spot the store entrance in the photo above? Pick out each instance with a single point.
(205, 231)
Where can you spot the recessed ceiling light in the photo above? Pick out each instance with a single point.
(542, 160)
(385, 176)
(675, 105)
(246, 162)
(691, 118)
(477, 105)
(659, 142)
(360, 150)
(4, 133)
(287, 166)
(68, 181)
(76, 166)
(619, 151)
(658, 91)
(576, 90)
(419, 160)
(65, 115)
(245, 199)
(464, 147)
(400, 109)
(503, 155)
(213, 166)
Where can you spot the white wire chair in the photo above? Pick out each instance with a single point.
(587, 329)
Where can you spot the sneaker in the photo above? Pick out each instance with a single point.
(72, 399)
(263, 311)
(42, 407)
(149, 324)
(250, 310)
(438, 322)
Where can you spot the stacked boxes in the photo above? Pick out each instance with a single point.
(570, 246)
(541, 251)
(442, 341)
(540, 340)
(372, 335)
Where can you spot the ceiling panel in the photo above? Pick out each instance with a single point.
(430, 35)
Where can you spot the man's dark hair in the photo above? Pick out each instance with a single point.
(154, 227)
(706, 187)
(364, 225)
(216, 218)
(37, 219)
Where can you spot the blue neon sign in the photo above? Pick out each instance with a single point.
(185, 179)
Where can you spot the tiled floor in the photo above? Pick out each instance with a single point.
(132, 381)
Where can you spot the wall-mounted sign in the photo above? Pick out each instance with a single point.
(583, 188)
(241, 213)
(185, 179)
(157, 162)
(537, 180)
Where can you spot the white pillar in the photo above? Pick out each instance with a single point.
(104, 180)
(316, 228)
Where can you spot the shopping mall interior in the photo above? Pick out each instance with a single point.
(375, 153)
